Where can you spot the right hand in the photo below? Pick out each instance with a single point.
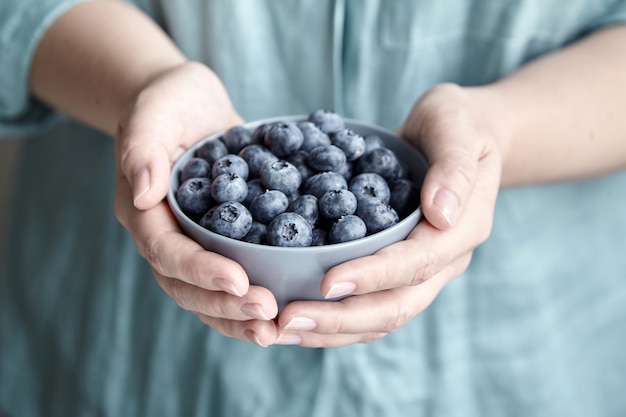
(174, 111)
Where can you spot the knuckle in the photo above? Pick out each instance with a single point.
(427, 266)
(151, 251)
(399, 317)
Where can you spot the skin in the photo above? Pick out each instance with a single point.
(107, 65)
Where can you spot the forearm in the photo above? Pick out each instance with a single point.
(562, 116)
(96, 57)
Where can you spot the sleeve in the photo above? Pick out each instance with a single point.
(616, 15)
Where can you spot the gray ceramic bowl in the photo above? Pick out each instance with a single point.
(295, 273)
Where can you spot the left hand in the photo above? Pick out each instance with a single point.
(455, 129)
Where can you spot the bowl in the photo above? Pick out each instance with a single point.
(295, 273)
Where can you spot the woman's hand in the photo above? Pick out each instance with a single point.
(175, 110)
(457, 132)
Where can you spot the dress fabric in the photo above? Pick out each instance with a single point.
(535, 327)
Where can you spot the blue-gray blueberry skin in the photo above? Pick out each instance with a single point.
(328, 121)
(230, 164)
(195, 168)
(258, 135)
(373, 142)
(370, 184)
(335, 204)
(289, 230)
(212, 150)
(346, 229)
(229, 187)
(320, 237)
(377, 215)
(255, 156)
(318, 184)
(280, 175)
(283, 138)
(236, 138)
(326, 158)
(194, 196)
(230, 219)
(306, 206)
(255, 187)
(405, 197)
(268, 205)
(256, 234)
(299, 160)
(381, 161)
(312, 136)
(350, 142)
(347, 171)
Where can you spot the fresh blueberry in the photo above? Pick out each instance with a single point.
(376, 214)
(283, 138)
(320, 237)
(255, 156)
(230, 164)
(268, 205)
(258, 135)
(195, 168)
(299, 160)
(289, 230)
(381, 161)
(291, 197)
(326, 158)
(336, 203)
(212, 150)
(229, 187)
(370, 184)
(350, 142)
(318, 184)
(347, 228)
(373, 142)
(328, 121)
(255, 187)
(236, 138)
(347, 171)
(256, 234)
(194, 196)
(280, 175)
(230, 219)
(405, 197)
(306, 206)
(312, 136)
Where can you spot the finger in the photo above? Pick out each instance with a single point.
(260, 332)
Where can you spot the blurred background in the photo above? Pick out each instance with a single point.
(9, 149)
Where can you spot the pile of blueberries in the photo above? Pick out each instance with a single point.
(296, 184)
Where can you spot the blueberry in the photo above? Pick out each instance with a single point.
(381, 161)
(230, 219)
(405, 197)
(212, 150)
(256, 234)
(373, 142)
(283, 138)
(318, 184)
(194, 196)
(347, 171)
(280, 175)
(258, 135)
(255, 187)
(195, 168)
(289, 230)
(347, 228)
(229, 187)
(370, 184)
(376, 214)
(312, 136)
(230, 164)
(320, 237)
(326, 158)
(236, 138)
(350, 142)
(299, 160)
(268, 205)
(255, 156)
(328, 121)
(337, 203)
(306, 206)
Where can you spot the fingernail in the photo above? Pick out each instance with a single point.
(252, 337)
(254, 311)
(447, 203)
(340, 289)
(301, 324)
(226, 286)
(288, 339)
(141, 184)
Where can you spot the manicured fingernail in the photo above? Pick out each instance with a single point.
(141, 184)
(288, 339)
(302, 324)
(254, 311)
(340, 289)
(447, 203)
(226, 286)
(252, 337)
